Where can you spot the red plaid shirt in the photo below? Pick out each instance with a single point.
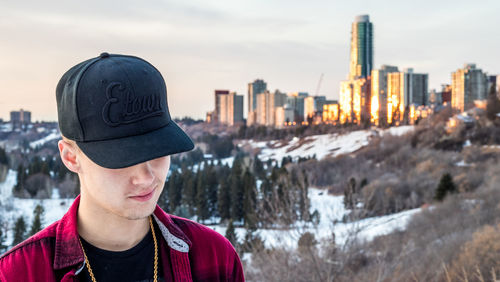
(189, 252)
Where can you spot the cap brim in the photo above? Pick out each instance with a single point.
(128, 151)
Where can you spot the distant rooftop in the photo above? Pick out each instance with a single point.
(362, 18)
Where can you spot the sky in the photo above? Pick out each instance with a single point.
(200, 46)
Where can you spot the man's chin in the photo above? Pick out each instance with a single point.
(139, 215)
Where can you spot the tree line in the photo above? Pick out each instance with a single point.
(21, 231)
(249, 193)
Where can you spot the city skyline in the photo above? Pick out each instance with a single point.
(200, 47)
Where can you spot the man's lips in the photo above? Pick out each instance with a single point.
(144, 196)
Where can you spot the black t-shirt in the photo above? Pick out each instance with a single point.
(135, 264)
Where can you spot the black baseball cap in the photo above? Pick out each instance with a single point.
(115, 108)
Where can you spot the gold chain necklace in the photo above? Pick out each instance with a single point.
(156, 255)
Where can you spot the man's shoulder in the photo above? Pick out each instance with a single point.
(43, 239)
(196, 232)
(212, 256)
(33, 255)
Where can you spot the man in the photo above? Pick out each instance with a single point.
(118, 137)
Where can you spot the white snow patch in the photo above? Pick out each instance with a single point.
(399, 130)
(11, 208)
(321, 145)
(462, 163)
(50, 137)
(332, 211)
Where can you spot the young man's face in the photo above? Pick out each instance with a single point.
(130, 192)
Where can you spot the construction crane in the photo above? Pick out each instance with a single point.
(319, 84)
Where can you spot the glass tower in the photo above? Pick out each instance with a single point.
(361, 47)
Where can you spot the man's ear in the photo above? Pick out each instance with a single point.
(69, 155)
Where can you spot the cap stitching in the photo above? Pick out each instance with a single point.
(143, 133)
(81, 75)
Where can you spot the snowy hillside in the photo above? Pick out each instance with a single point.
(11, 208)
(331, 208)
(320, 145)
(332, 211)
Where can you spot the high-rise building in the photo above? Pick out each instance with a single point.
(309, 107)
(468, 85)
(415, 87)
(296, 101)
(492, 82)
(378, 105)
(279, 98)
(20, 119)
(446, 93)
(254, 88)
(405, 89)
(355, 93)
(313, 105)
(220, 113)
(279, 117)
(346, 101)
(355, 100)
(238, 108)
(331, 112)
(228, 107)
(361, 99)
(289, 114)
(265, 108)
(498, 86)
(361, 63)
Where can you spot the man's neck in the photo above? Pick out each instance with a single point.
(108, 231)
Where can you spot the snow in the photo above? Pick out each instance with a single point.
(52, 136)
(462, 163)
(398, 130)
(6, 127)
(11, 208)
(332, 211)
(321, 146)
(331, 208)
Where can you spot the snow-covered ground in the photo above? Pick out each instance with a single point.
(11, 208)
(53, 135)
(331, 208)
(332, 211)
(320, 145)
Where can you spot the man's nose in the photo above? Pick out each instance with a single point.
(143, 174)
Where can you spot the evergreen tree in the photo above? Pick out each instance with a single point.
(224, 200)
(189, 189)
(21, 178)
(201, 196)
(212, 186)
(231, 234)
(3, 157)
(266, 214)
(45, 168)
(252, 242)
(62, 171)
(37, 220)
(35, 166)
(174, 192)
(249, 199)
(304, 203)
(237, 191)
(3, 246)
(258, 167)
(445, 187)
(19, 231)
